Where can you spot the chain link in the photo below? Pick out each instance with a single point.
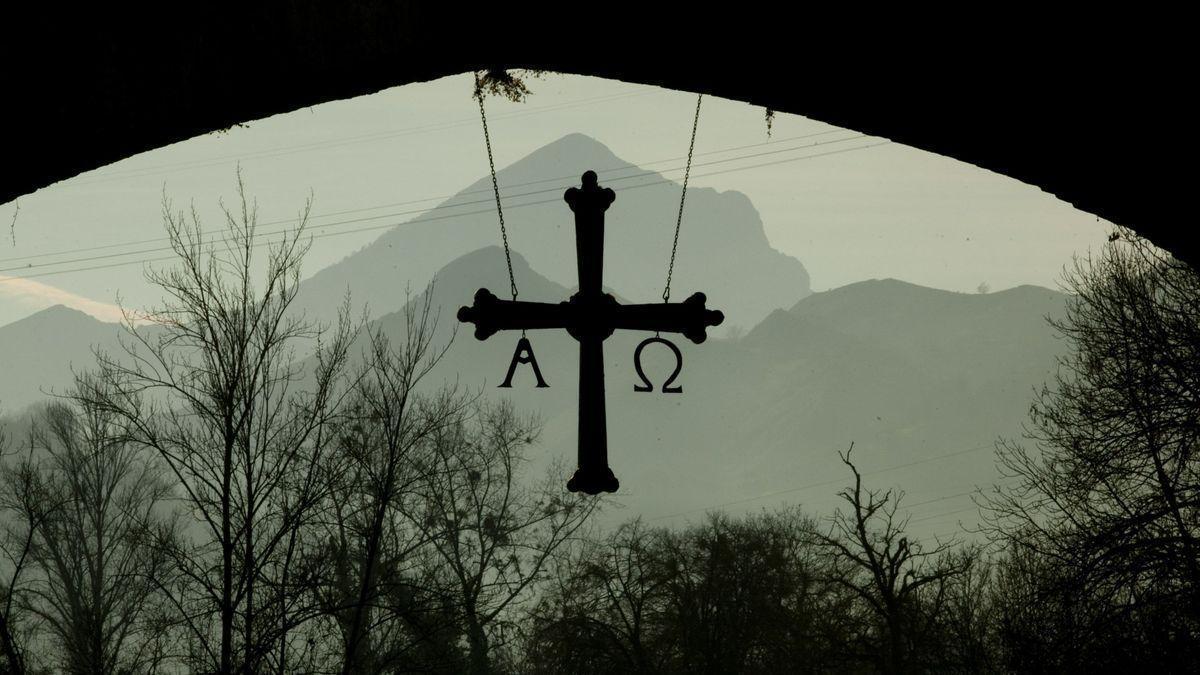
(666, 296)
(487, 140)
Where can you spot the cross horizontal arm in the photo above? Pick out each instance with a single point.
(491, 314)
(689, 317)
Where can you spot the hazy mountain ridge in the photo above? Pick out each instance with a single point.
(723, 248)
(904, 372)
(878, 363)
(930, 325)
(38, 352)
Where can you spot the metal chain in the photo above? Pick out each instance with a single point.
(487, 140)
(666, 296)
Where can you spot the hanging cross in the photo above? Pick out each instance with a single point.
(590, 316)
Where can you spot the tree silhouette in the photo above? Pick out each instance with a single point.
(1102, 512)
(384, 448)
(494, 530)
(95, 510)
(903, 584)
(213, 386)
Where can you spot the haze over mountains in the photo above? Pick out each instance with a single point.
(909, 374)
(922, 381)
(906, 373)
(723, 249)
(38, 352)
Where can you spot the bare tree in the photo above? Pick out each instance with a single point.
(494, 531)
(20, 502)
(966, 631)
(213, 385)
(98, 503)
(742, 595)
(726, 595)
(602, 606)
(873, 558)
(384, 442)
(1105, 488)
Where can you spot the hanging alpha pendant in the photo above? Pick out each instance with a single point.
(590, 316)
(523, 354)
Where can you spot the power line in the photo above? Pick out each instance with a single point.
(422, 210)
(420, 220)
(141, 172)
(432, 218)
(636, 165)
(940, 499)
(943, 514)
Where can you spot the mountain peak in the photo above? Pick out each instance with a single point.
(55, 315)
(725, 254)
(577, 142)
(487, 261)
(37, 353)
(566, 157)
(487, 268)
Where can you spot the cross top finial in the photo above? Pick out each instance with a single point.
(589, 196)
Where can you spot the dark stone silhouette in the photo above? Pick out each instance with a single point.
(590, 316)
(291, 55)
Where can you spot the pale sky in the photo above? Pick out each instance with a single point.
(849, 207)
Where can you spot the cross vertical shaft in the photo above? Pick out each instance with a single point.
(589, 202)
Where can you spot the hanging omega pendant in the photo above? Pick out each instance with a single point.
(646, 385)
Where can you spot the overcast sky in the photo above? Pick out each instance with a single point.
(849, 207)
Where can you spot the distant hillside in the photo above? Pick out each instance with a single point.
(922, 381)
(38, 352)
(723, 249)
(906, 373)
(932, 325)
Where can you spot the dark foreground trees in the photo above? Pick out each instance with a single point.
(332, 517)
(436, 533)
(372, 581)
(769, 593)
(906, 588)
(1102, 516)
(90, 505)
(212, 385)
(493, 530)
(81, 509)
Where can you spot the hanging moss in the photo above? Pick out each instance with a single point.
(499, 82)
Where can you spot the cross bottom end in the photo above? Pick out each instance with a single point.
(593, 481)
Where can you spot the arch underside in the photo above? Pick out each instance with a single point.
(1096, 130)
